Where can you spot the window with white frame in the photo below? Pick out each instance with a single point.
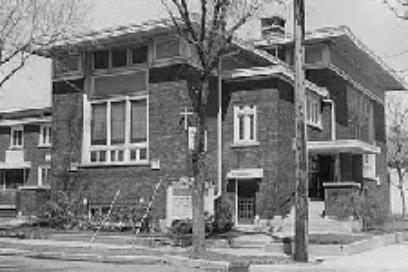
(313, 111)
(369, 166)
(45, 135)
(245, 124)
(17, 137)
(44, 175)
(119, 130)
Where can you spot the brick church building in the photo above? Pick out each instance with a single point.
(122, 121)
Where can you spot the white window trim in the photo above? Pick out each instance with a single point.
(39, 174)
(247, 110)
(126, 147)
(16, 128)
(314, 102)
(41, 142)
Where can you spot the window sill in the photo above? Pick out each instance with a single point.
(35, 187)
(245, 144)
(16, 148)
(44, 146)
(112, 164)
(315, 126)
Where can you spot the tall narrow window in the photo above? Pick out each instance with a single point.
(138, 121)
(118, 111)
(44, 175)
(98, 124)
(244, 124)
(17, 137)
(313, 111)
(45, 135)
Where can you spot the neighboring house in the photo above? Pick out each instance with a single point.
(25, 160)
(347, 159)
(122, 122)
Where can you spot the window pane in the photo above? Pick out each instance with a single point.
(143, 154)
(98, 124)
(105, 86)
(119, 58)
(138, 120)
(241, 127)
(139, 55)
(251, 127)
(101, 59)
(118, 110)
(168, 48)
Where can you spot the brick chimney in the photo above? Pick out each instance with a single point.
(273, 18)
(272, 27)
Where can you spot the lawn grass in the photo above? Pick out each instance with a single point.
(336, 239)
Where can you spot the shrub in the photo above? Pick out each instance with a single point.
(223, 219)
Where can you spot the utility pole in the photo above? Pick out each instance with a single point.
(301, 198)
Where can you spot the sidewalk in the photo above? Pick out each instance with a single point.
(119, 248)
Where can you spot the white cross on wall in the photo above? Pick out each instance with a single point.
(185, 113)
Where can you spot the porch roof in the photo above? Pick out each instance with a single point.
(245, 173)
(342, 146)
(15, 165)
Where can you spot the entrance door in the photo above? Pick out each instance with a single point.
(246, 201)
(320, 171)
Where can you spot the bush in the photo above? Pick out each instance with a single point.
(223, 219)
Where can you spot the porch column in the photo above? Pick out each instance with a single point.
(337, 168)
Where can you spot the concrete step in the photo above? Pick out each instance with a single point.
(251, 241)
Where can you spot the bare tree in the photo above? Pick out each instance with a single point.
(397, 140)
(209, 26)
(399, 7)
(27, 24)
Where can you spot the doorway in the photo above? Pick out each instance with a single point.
(321, 169)
(246, 196)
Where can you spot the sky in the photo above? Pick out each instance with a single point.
(370, 20)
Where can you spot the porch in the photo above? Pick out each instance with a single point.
(337, 169)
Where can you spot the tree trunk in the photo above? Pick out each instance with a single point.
(199, 171)
(402, 192)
